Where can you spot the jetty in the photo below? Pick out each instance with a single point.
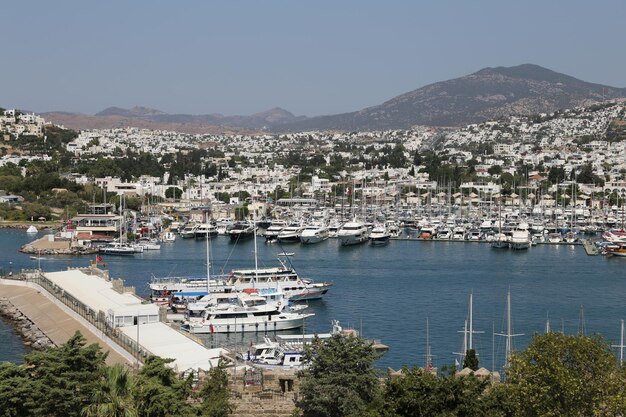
(105, 312)
(590, 248)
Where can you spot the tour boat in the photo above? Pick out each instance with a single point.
(241, 312)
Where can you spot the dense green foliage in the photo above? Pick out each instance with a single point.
(73, 380)
(557, 375)
(340, 380)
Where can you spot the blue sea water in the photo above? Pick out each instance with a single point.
(390, 292)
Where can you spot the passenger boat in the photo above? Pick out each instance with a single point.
(242, 312)
(284, 278)
(353, 233)
(314, 233)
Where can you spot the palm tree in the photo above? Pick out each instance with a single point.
(114, 398)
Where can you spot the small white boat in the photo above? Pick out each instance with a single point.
(31, 230)
(286, 254)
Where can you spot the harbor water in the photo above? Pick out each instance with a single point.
(390, 292)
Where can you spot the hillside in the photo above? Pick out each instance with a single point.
(488, 94)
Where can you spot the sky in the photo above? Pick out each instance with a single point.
(308, 57)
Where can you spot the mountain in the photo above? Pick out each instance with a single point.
(137, 111)
(147, 118)
(488, 94)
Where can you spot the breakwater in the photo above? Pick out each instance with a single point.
(32, 335)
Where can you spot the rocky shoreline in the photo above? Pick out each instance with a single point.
(30, 333)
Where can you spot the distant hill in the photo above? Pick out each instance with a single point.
(484, 95)
(487, 94)
(143, 117)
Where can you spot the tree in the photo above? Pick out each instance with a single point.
(65, 378)
(113, 398)
(564, 375)
(340, 380)
(471, 360)
(419, 393)
(214, 394)
(173, 192)
(159, 392)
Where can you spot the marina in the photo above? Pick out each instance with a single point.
(389, 292)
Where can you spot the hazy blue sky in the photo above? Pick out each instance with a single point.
(309, 57)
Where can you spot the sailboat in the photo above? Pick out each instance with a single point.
(468, 333)
(119, 248)
(509, 332)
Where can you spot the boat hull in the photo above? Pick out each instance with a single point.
(247, 325)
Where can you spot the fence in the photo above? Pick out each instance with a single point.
(96, 319)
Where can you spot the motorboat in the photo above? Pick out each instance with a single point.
(204, 229)
(117, 249)
(223, 226)
(271, 233)
(31, 230)
(314, 233)
(379, 235)
(188, 231)
(168, 237)
(500, 241)
(353, 233)
(290, 233)
(241, 231)
(520, 239)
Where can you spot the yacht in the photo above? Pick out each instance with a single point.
(314, 233)
(168, 237)
(284, 278)
(188, 231)
(393, 228)
(251, 311)
(204, 229)
(223, 226)
(271, 233)
(353, 233)
(379, 235)
(290, 233)
(500, 241)
(241, 231)
(117, 248)
(520, 239)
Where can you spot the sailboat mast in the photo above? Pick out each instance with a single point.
(509, 339)
(208, 260)
(471, 321)
(621, 344)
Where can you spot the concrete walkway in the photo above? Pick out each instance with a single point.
(52, 320)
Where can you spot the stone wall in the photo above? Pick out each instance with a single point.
(31, 334)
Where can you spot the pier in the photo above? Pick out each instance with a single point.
(590, 248)
(106, 313)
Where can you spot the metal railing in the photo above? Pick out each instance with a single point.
(96, 319)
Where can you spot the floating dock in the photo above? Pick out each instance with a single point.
(590, 248)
